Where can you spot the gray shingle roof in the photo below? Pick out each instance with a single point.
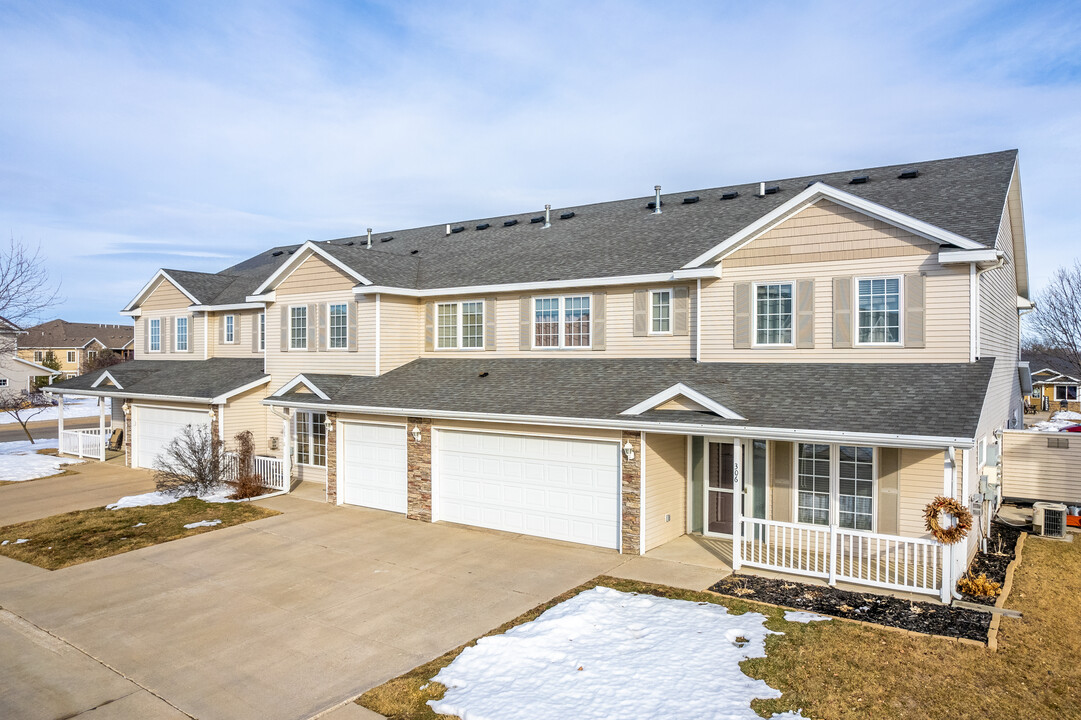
(964, 195)
(64, 334)
(891, 399)
(180, 378)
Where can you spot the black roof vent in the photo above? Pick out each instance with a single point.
(483, 226)
(292, 251)
(388, 238)
(508, 223)
(414, 252)
(483, 373)
(773, 189)
(348, 244)
(730, 195)
(690, 200)
(813, 182)
(653, 205)
(457, 229)
(276, 253)
(908, 174)
(859, 180)
(539, 218)
(566, 216)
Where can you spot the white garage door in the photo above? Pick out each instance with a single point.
(155, 427)
(373, 469)
(550, 487)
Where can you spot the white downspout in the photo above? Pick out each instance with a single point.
(206, 335)
(378, 347)
(60, 424)
(698, 322)
(101, 427)
(974, 275)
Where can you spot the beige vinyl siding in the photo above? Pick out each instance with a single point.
(314, 273)
(284, 366)
(920, 477)
(196, 335)
(242, 334)
(245, 412)
(1033, 471)
(401, 331)
(311, 473)
(782, 480)
(165, 296)
(665, 489)
(619, 331)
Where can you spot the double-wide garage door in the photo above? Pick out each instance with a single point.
(155, 427)
(551, 487)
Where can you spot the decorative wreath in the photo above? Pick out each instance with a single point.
(961, 514)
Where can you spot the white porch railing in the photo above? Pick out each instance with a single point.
(885, 561)
(269, 468)
(89, 443)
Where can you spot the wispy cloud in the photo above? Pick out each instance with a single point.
(202, 132)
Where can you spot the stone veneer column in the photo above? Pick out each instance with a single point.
(632, 494)
(419, 459)
(332, 458)
(127, 431)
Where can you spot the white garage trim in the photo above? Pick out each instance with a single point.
(341, 430)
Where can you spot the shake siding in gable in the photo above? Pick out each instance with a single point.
(665, 490)
(165, 296)
(822, 243)
(314, 274)
(401, 331)
(166, 302)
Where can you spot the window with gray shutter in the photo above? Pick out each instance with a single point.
(600, 320)
(681, 311)
(741, 315)
(805, 313)
(641, 313)
(842, 312)
(915, 316)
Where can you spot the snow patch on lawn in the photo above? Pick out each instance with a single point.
(605, 654)
(20, 461)
(203, 523)
(74, 407)
(803, 617)
(160, 498)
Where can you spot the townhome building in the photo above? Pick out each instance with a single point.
(75, 345)
(792, 369)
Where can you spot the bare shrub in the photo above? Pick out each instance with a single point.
(248, 483)
(191, 464)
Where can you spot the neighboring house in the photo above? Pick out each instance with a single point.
(1055, 385)
(17, 375)
(75, 345)
(800, 365)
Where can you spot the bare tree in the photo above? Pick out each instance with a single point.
(23, 408)
(1056, 324)
(25, 288)
(191, 464)
(248, 482)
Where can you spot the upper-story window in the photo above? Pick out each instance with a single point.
(298, 327)
(262, 331)
(92, 354)
(230, 328)
(773, 314)
(71, 356)
(338, 328)
(879, 305)
(561, 322)
(155, 336)
(38, 356)
(181, 334)
(460, 325)
(660, 312)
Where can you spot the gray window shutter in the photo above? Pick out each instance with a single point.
(805, 313)
(681, 311)
(285, 329)
(321, 312)
(489, 323)
(353, 340)
(599, 321)
(889, 497)
(221, 329)
(525, 323)
(842, 312)
(429, 326)
(191, 333)
(915, 328)
(781, 481)
(146, 335)
(313, 330)
(255, 332)
(741, 315)
(641, 313)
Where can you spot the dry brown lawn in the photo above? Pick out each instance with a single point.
(845, 670)
(76, 537)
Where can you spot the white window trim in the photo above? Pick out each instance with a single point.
(262, 331)
(900, 311)
(754, 314)
(562, 310)
(38, 356)
(150, 335)
(458, 324)
(176, 334)
(3, 382)
(307, 327)
(651, 331)
(72, 356)
(345, 347)
(230, 329)
(835, 486)
(307, 415)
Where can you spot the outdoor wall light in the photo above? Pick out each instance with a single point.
(211, 413)
(416, 434)
(126, 408)
(628, 451)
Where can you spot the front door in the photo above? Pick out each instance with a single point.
(720, 489)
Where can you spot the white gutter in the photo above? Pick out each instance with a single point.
(882, 440)
(988, 255)
(233, 306)
(377, 333)
(128, 394)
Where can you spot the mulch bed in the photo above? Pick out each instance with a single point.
(921, 617)
(1001, 547)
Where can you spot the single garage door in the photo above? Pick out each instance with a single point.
(373, 471)
(155, 427)
(550, 487)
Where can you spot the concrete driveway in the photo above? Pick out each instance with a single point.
(94, 484)
(280, 618)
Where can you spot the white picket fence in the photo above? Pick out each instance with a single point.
(836, 554)
(87, 443)
(269, 468)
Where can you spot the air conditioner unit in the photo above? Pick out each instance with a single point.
(1049, 519)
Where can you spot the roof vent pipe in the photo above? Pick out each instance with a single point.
(657, 200)
(448, 229)
(369, 238)
(761, 189)
(548, 215)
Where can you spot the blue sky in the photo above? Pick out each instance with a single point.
(139, 136)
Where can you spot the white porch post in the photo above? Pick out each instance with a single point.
(60, 424)
(949, 471)
(287, 452)
(101, 428)
(737, 504)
